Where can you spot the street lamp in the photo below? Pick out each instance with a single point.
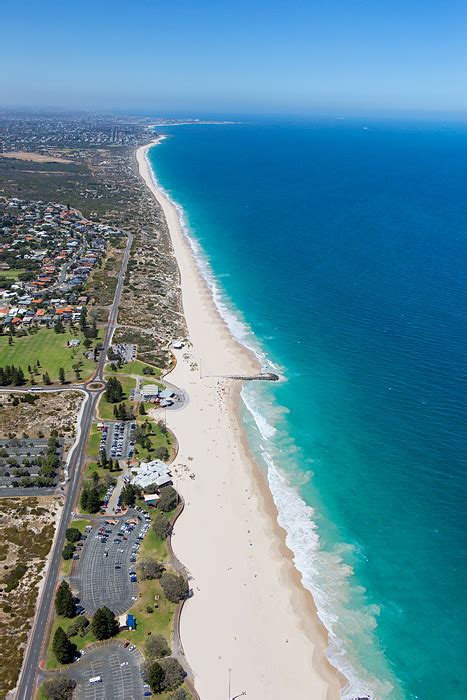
(240, 695)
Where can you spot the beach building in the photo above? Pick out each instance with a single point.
(149, 392)
(148, 473)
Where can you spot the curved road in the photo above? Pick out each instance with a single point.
(25, 688)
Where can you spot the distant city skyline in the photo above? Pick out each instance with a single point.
(262, 57)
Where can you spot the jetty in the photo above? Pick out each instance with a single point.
(262, 377)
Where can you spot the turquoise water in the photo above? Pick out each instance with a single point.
(338, 251)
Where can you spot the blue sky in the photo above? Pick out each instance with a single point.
(203, 57)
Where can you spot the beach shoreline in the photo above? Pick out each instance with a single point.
(250, 622)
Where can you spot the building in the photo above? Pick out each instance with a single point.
(150, 392)
(151, 499)
(149, 473)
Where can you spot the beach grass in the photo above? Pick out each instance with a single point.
(50, 349)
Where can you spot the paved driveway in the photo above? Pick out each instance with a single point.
(104, 580)
(118, 682)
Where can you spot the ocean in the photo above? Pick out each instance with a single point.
(336, 249)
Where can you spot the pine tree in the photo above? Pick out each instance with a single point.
(46, 378)
(63, 649)
(104, 625)
(64, 604)
(61, 375)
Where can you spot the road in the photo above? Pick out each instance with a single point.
(25, 688)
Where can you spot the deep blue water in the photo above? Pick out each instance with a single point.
(343, 248)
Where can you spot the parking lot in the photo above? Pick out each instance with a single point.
(106, 572)
(118, 439)
(119, 671)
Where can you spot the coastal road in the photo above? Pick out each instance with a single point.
(25, 688)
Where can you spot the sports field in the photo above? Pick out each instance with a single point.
(52, 352)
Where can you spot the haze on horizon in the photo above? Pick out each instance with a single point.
(218, 58)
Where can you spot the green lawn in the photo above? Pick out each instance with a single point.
(12, 274)
(51, 662)
(137, 367)
(94, 441)
(158, 622)
(153, 548)
(157, 439)
(80, 524)
(51, 350)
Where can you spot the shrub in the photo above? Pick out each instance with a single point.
(73, 534)
(168, 499)
(156, 646)
(68, 550)
(174, 673)
(175, 587)
(78, 627)
(59, 688)
(13, 578)
(150, 569)
(179, 694)
(161, 525)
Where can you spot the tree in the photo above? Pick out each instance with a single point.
(90, 500)
(59, 688)
(61, 375)
(64, 603)
(175, 587)
(128, 495)
(46, 378)
(155, 677)
(63, 649)
(68, 550)
(156, 647)
(73, 534)
(174, 674)
(104, 625)
(78, 626)
(151, 569)
(162, 453)
(58, 327)
(142, 409)
(113, 390)
(161, 525)
(168, 499)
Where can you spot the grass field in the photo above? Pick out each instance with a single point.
(51, 350)
(137, 367)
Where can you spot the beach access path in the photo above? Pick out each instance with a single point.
(250, 625)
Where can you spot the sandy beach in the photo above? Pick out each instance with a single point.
(250, 619)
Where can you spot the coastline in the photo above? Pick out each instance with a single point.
(250, 618)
